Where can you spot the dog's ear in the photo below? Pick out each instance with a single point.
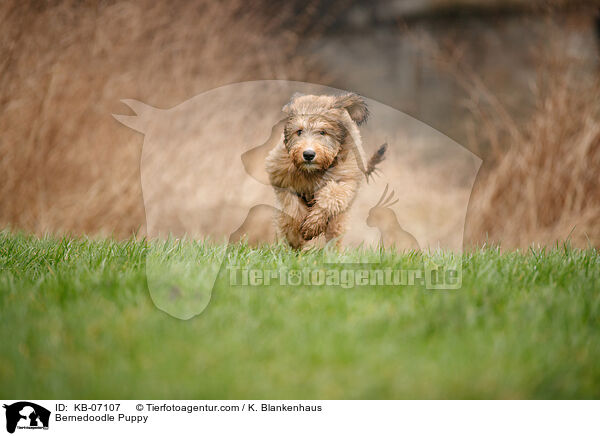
(288, 105)
(355, 105)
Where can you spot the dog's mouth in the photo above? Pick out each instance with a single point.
(307, 165)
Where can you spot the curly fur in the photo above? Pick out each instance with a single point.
(313, 196)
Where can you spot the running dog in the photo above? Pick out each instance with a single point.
(317, 169)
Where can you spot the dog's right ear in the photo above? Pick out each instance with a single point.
(288, 105)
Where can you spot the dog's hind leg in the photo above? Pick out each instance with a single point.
(336, 227)
(290, 217)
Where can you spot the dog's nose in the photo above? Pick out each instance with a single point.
(308, 155)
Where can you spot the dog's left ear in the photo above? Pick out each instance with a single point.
(287, 107)
(355, 105)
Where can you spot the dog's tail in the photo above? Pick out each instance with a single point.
(375, 160)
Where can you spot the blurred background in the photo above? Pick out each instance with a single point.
(516, 82)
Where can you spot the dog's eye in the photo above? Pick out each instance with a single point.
(322, 132)
(299, 132)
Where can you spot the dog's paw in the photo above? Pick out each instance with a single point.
(314, 224)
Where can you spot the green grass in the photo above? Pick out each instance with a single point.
(78, 322)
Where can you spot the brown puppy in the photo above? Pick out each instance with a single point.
(317, 169)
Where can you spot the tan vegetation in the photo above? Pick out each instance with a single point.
(540, 184)
(66, 164)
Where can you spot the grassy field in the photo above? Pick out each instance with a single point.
(78, 322)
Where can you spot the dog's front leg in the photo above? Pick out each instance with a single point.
(331, 200)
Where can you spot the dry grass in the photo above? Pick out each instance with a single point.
(66, 164)
(540, 182)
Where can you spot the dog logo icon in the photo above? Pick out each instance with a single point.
(26, 415)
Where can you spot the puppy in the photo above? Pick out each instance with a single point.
(318, 167)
